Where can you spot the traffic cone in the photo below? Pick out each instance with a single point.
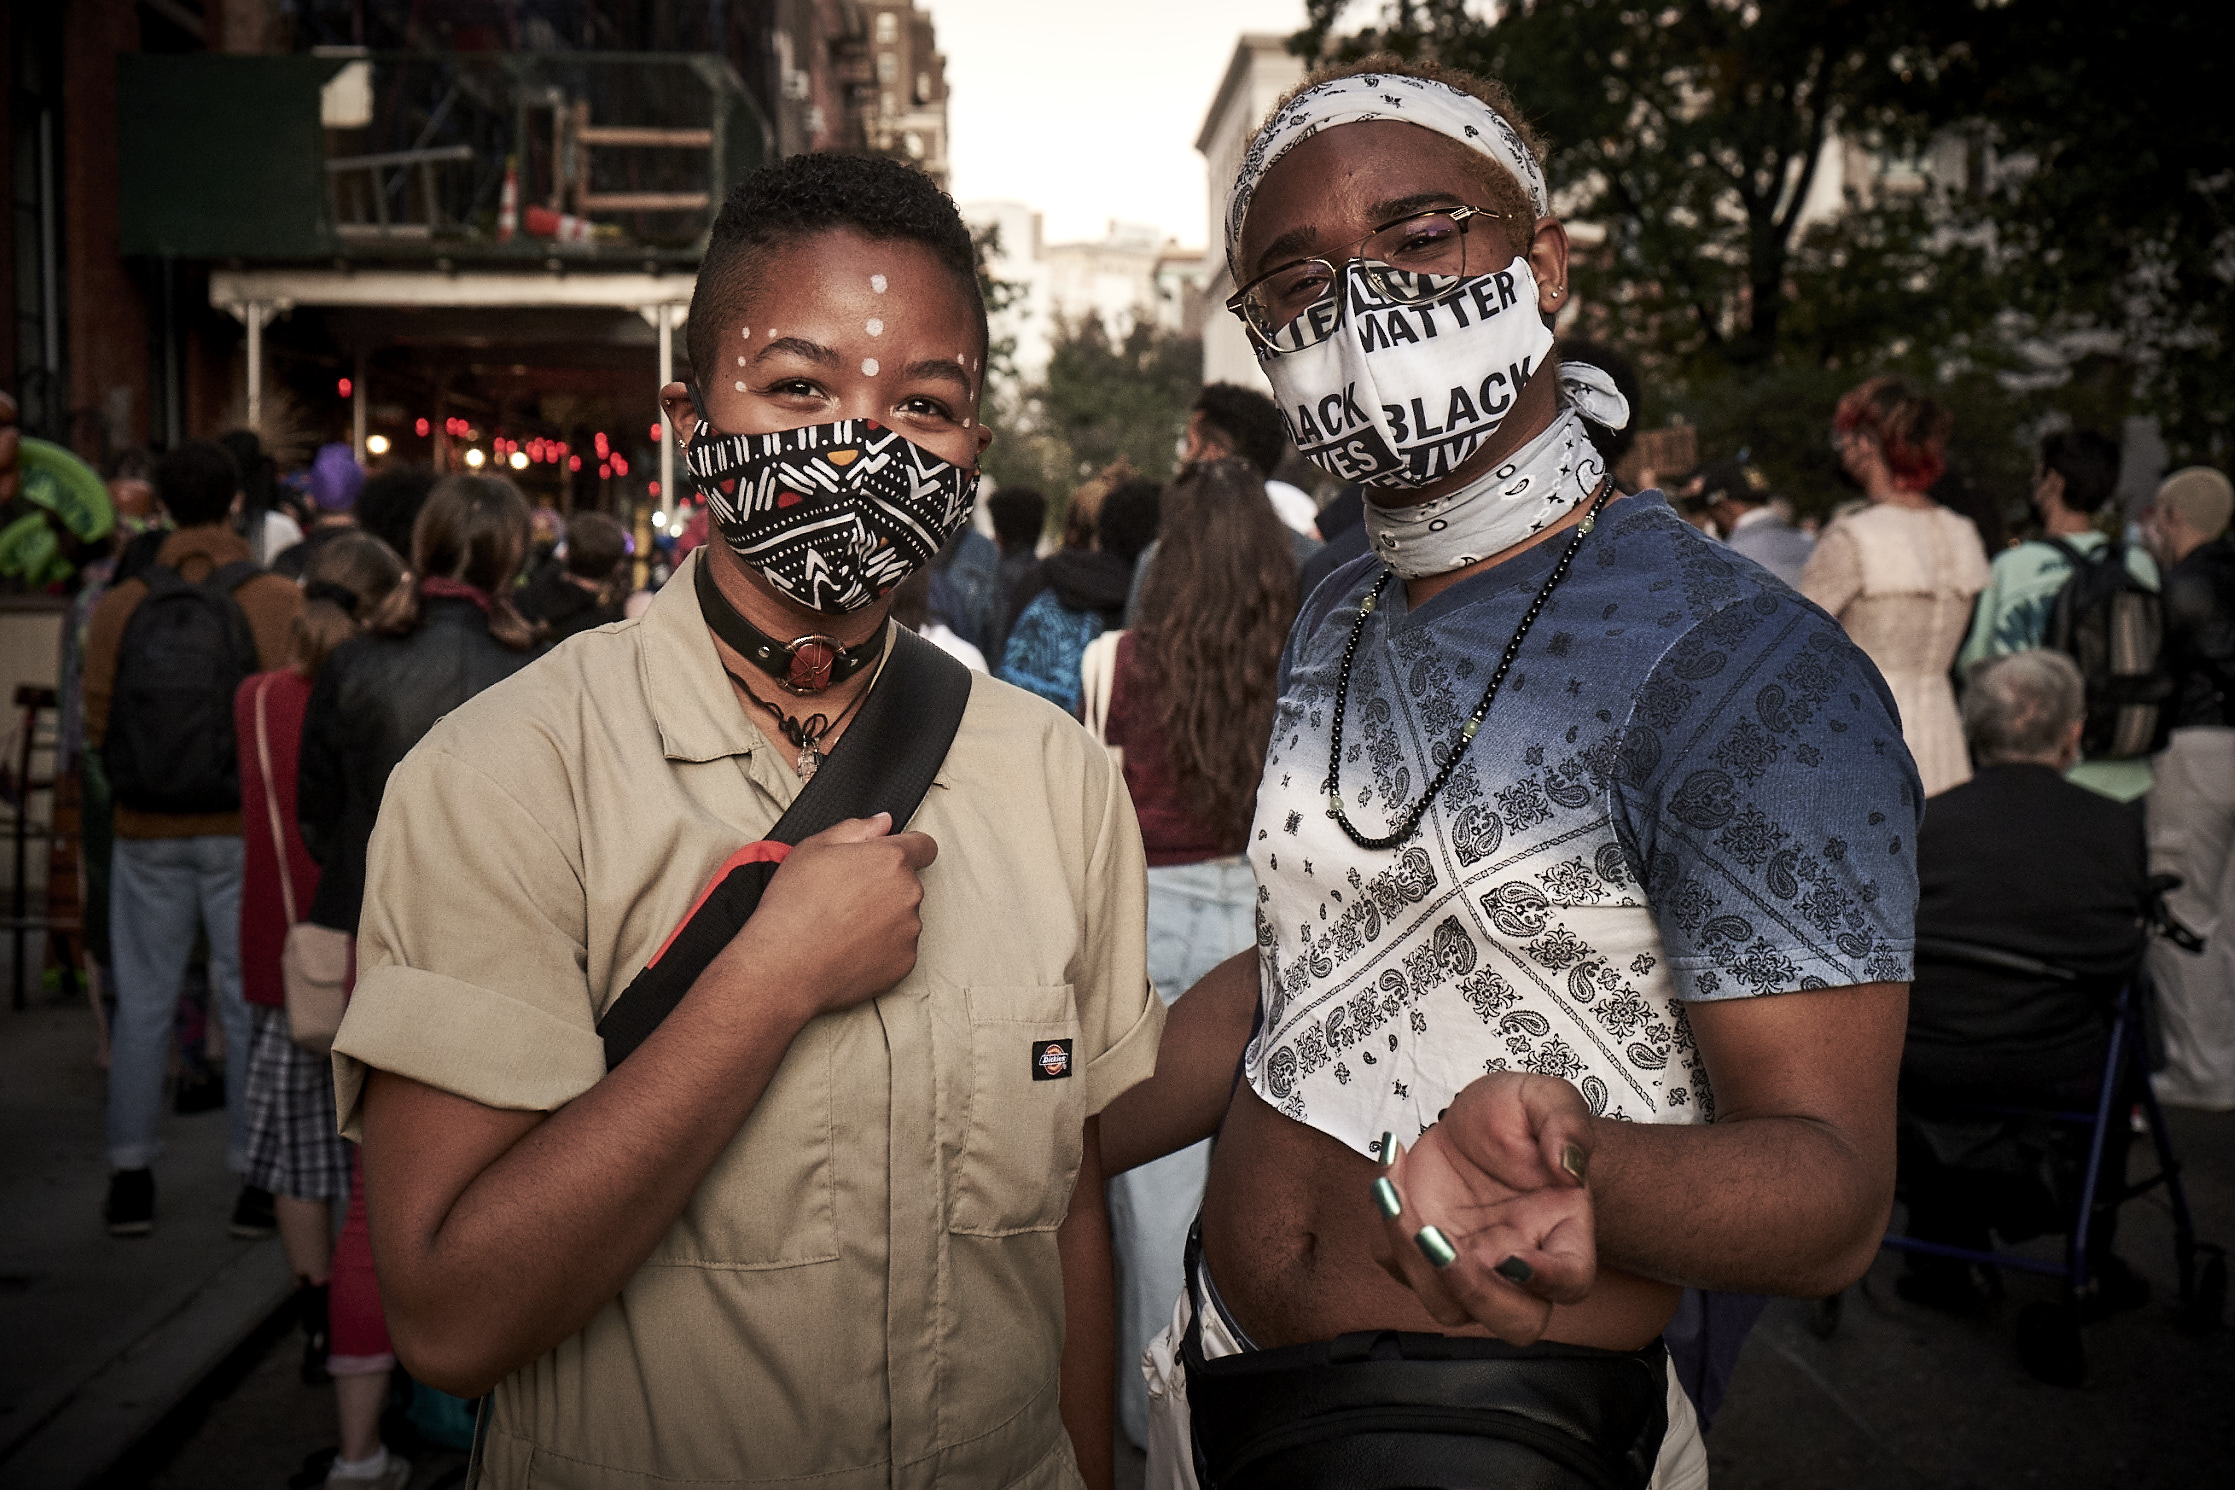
(564, 226)
(508, 202)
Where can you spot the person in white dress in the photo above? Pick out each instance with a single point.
(1901, 573)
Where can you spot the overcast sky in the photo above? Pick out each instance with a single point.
(1086, 110)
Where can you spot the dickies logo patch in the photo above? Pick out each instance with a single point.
(1051, 1060)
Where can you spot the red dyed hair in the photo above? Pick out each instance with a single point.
(1911, 430)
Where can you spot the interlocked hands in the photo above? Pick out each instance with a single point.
(1488, 1217)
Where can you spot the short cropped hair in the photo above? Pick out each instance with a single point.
(2201, 496)
(1249, 421)
(596, 545)
(2089, 464)
(802, 195)
(1019, 515)
(197, 482)
(1128, 519)
(2019, 707)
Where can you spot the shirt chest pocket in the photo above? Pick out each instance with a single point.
(1014, 1108)
(768, 1202)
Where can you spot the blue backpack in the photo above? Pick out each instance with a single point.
(1045, 647)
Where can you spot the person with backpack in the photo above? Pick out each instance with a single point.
(165, 652)
(1083, 595)
(2068, 581)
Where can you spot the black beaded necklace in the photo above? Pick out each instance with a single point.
(1412, 816)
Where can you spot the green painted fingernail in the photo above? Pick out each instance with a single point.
(1388, 1149)
(1575, 1161)
(1514, 1270)
(1387, 1200)
(1435, 1247)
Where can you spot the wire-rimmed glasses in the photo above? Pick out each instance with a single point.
(1415, 258)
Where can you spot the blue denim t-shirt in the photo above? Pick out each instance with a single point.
(1691, 787)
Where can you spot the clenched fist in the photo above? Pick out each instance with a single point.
(838, 923)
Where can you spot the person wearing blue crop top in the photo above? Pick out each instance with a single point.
(1585, 858)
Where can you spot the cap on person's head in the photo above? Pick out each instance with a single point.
(335, 478)
(1734, 480)
(2201, 497)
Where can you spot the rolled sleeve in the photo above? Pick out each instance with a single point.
(1132, 1060)
(1120, 1016)
(463, 1039)
(471, 952)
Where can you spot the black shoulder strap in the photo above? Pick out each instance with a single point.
(884, 763)
(2080, 562)
(230, 578)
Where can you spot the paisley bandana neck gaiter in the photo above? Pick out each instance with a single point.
(832, 515)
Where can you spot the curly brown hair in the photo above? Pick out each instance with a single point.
(1508, 195)
(1215, 612)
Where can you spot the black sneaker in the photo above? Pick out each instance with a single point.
(130, 1208)
(253, 1215)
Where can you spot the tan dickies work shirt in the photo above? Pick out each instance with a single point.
(865, 1290)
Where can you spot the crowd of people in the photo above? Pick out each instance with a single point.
(1379, 986)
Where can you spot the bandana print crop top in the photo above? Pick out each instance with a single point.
(1691, 787)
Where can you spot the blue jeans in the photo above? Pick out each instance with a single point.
(1199, 915)
(160, 890)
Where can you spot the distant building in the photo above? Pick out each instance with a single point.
(1261, 71)
(1132, 275)
(904, 111)
(457, 234)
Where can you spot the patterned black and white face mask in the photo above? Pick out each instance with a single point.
(832, 515)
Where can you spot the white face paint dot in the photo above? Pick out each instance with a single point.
(869, 367)
(966, 424)
(877, 283)
(740, 362)
(875, 327)
(740, 387)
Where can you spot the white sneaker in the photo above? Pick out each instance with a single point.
(394, 1474)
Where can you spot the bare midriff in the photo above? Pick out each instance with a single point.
(1288, 1231)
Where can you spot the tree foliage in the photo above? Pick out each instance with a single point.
(1105, 394)
(2078, 264)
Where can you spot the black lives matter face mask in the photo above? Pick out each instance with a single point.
(1402, 393)
(832, 515)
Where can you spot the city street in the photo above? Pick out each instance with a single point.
(1897, 1397)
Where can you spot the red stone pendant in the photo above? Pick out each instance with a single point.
(810, 669)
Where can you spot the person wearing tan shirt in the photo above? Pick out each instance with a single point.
(176, 873)
(838, 1220)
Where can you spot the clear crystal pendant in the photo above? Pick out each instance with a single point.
(809, 759)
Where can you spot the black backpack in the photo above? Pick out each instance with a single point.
(185, 652)
(2113, 626)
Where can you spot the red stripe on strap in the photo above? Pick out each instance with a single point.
(759, 851)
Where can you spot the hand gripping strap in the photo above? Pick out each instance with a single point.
(884, 763)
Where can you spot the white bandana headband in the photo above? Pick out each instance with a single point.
(1447, 111)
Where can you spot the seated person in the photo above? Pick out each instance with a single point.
(2021, 860)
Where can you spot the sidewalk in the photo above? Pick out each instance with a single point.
(105, 1335)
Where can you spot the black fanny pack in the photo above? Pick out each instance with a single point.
(1383, 1410)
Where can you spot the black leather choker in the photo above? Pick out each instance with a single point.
(806, 665)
